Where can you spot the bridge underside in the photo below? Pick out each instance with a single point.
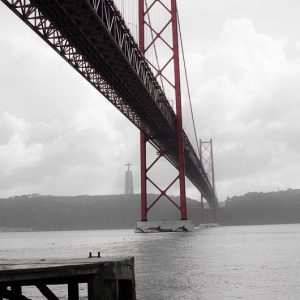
(94, 39)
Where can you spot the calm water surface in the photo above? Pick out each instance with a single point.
(243, 262)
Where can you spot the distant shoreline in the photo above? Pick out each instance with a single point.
(13, 229)
(16, 230)
(114, 212)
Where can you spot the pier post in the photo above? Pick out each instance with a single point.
(16, 291)
(73, 292)
(96, 288)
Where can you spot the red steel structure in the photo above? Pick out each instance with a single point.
(207, 159)
(93, 38)
(156, 34)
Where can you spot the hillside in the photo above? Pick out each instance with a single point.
(262, 208)
(122, 211)
(84, 212)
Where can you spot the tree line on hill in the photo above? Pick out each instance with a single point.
(122, 211)
(282, 207)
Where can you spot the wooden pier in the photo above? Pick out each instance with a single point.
(106, 278)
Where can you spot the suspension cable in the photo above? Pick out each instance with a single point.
(187, 82)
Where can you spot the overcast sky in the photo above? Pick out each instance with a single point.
(59, 136)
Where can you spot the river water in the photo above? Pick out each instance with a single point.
(241, 262)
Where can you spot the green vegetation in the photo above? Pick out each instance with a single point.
(122, 211)
(262, 208)
(83, 212)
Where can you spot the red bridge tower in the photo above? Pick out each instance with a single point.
(207, 160)
(152, 37)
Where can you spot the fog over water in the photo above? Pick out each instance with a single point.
(242, 262)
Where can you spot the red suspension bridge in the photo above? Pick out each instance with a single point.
(93, 37)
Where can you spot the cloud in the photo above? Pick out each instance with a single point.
(247, 101)
(297, 45)
(61, 157)
(16, 155)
